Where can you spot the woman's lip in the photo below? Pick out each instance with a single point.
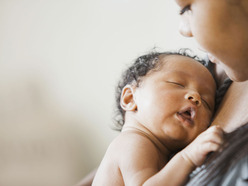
(212, 58)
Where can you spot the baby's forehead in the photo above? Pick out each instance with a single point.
(177, 60)
(184, 64)
(175, 56)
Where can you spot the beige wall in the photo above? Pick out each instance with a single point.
(59, 64)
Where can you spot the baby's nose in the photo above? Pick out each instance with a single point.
(193, 97)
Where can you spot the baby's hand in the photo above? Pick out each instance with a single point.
(208, 141)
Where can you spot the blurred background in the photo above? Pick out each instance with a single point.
(60, 61)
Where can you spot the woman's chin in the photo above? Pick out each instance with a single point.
(237, 77)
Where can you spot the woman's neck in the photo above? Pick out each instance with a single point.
(233, 110)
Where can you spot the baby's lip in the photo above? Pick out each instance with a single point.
(188, 114)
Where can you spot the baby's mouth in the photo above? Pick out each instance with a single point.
(187, 115)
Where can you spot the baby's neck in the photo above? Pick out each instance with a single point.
(146, 132)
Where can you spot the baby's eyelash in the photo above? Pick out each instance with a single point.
(185, 9)
(175, 83)
(206, 104)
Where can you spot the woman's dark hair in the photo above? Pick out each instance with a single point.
(134, 73)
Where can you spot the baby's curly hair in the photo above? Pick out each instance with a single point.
(134, 73)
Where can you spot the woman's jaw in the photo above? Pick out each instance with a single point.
(235, 73)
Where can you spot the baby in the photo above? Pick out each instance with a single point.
(165, 101)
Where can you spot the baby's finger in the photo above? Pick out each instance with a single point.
(215, 129)
(210, 147)
(215, 138)
(214, 134)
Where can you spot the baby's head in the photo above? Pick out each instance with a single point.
(167, 87)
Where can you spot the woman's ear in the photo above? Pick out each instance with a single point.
(127, 101)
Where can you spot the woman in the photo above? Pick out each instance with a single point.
(221, 28)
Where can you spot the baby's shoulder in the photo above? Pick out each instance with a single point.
(133, 149)
(128, 142)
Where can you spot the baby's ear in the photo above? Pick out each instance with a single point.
(127, 99)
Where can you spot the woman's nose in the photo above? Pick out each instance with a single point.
(194, 97)
(184, 27)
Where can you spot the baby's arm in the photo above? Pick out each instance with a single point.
(134, 160)
(177, 170)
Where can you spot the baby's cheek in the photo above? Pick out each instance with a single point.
(206, 119)
(202, 128)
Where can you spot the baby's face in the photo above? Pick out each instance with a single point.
(176, 102)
